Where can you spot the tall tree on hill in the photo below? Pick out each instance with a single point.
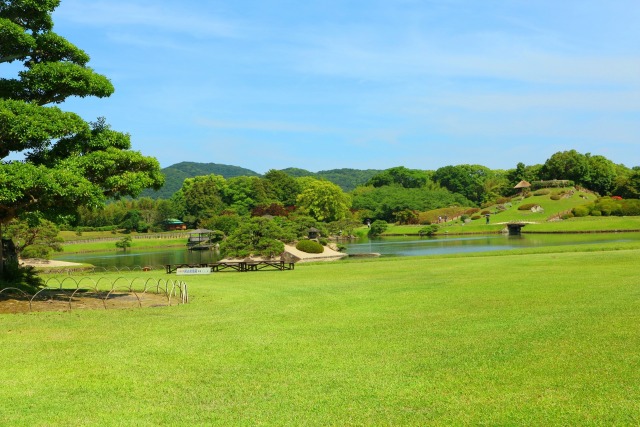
(597, 173)
(323, 200)
(468, 180)
(66, 161)
(407, 178)
(284, 187)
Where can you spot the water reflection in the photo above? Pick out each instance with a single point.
(133, 258)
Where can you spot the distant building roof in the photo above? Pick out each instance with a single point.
(173, 221)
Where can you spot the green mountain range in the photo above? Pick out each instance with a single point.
(347, 179)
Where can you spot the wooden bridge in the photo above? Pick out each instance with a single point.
(515, 227)
(240, 266)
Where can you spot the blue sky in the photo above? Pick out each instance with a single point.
(364, 84)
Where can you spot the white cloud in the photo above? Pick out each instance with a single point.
(147, 15)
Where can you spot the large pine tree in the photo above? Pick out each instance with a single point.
(66, 161)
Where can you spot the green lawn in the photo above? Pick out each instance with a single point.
(535, 339)
(110, 245)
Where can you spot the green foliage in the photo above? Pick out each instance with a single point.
(310, 246)
(344, 227)
(594, 172)
(132, 221)
(23, 278)
(378, 227)
(580, 211)
(527, 206)
(242, 194)
(383, 202)
(467, 180)
(429, 230)
(257, 237)
(628, 185)
(324, 200)
(406, 178)
(124, 243)
(175, 175)
(201, 197)
(68, 162)
(225, 223)
(406, 216)
(35, 238)
(284, 188)
(298, 226)
(609, 206)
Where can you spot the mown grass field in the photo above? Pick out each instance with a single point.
(108, 246)
(506, 339)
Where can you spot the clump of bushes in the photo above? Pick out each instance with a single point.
(310, 247)
(580, 211)
(609, 206)
(428, 231)
(555, 197)
(542, 192)
(526, 206)
(378, 227)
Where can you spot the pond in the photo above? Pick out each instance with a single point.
(414, 246)
(387, 246)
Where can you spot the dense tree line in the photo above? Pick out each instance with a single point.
(397, 194)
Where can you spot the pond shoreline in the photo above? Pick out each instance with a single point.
(476, 233)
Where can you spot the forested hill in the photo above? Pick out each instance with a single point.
(347, 179)
(176, 174)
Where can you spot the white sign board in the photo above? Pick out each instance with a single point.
(194, 270)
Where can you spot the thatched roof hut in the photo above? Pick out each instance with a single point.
(522, 184)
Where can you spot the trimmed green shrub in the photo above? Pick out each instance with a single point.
(310, 247)
(526, 206)
(428, 231)
(630, 207)
(542, 192)
(474, 217)
(555, 197)
(580, 211)
(378, 227)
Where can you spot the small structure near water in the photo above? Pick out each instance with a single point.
(200, 239)
(515, 228)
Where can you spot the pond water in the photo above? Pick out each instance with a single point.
(149, 257)
(387, 246)
(413, 246)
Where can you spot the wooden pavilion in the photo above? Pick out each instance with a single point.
(200, 239)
